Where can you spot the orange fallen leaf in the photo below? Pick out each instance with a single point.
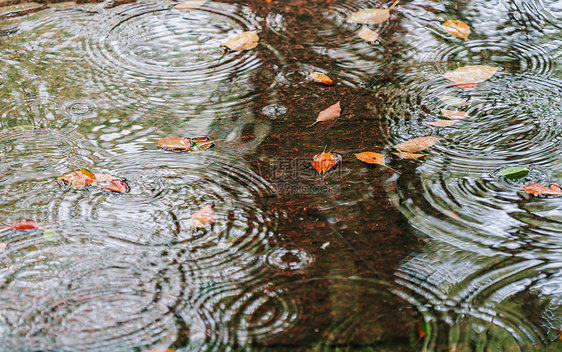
(457, 28)
(201, 143)
(468, 76)
(242, 41)
(24, 225)
(78, 179)
(417, 144)
(440, 123)
(330, 114)
(174, 143)
(203, 217)
(371, 158)
(191, 4)
(368, 34)
(106, 177)
(537, 189)
(322, 78)
(118, 186)
(408, 155)
(455, 115)
(325, 161)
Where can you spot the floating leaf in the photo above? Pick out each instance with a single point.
(174, 143)
(242, 41)
(514, 172)
(77, 179)
(453, 101)
(457, 28)
(203, 217)
(455, 115)
(201, 143)
(440, 123)
(24, 225)
(371, 158)
(423, 329)
(325, 161)
(118, 186)
(322, 78)
(371, 16)
(106, 177)
(3, 246)
(468, 76)
(50, 236)
(408, 155)
(537, 189)
(368, 35)
(191, 4)
(330, 114)
(417, 144)
(451, 214)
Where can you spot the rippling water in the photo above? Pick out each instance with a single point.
(432, 254)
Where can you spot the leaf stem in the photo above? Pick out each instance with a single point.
(393, 5)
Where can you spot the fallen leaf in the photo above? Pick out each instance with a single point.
(161, 350)
(203, 217)
(468, 76)
(453, 101)
(106, 177)
(201, 143)
(371, 16)
(324, 245)
(191, 4)
(371, 158)
(537, 189)
(457, 28)
(331, 113)
(3, 246)
(408, 155)
(24, 225)
(440, 123)
(322, 78)
(242, 41)
(417, 144)
(455, 115)
(325, 161)
(423, 329)
(50, 236)
(77, 179)
(451, 214)
(118, 186)
(514, 172)
(368, 35)
(174, 143)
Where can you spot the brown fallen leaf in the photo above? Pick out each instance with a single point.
(537, 189)
(242, 41)
(469, 76)
(203, 217)
(368, 35)
(371, 158)
(408, 155)
(417, 144)
(77, 179)
(371, 16)
(174, 143)
(322, 78)
(24, 225)
(440, 123)
(457, 28)
(325, 161)
(455, 115)
(330, 114)
(191, 4)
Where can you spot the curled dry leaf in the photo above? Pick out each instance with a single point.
(440, 123)
(417, 144)
(455, 115)
(199, 144)
(457, 28)
(371, 158)
(203, 217)
(330, 114)
(368, 35)
(24, 225)
(242, 41)
(537, 189)
(408, 155)
(453, 101)
(322, 78)
(174, 143)
(78, 179)
(468, 76)
(325, 161)
(191, 4)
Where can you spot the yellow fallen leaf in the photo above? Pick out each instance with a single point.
(191, 4)
(242, 41)
(471, 74)
(203, 217)
(371, 158)
(457, 28)
(408, 155)
(417, 144)
(368, 35)
(455, 115)
(440, 123)
(329, 114)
